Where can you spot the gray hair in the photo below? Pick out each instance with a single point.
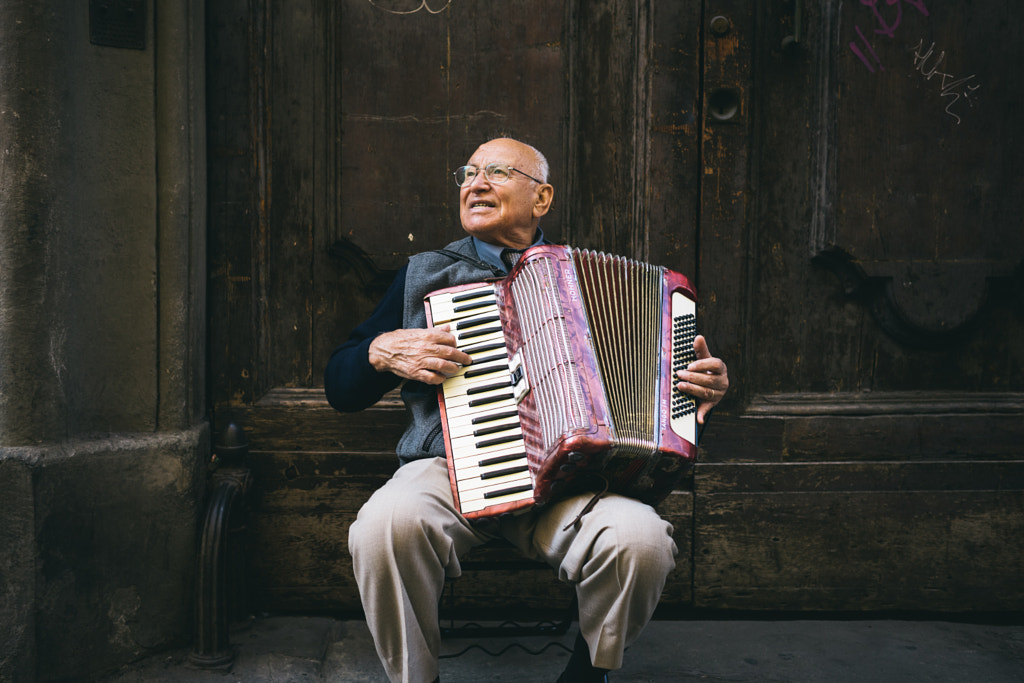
(542, 163)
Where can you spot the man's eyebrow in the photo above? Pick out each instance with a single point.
(487, 163)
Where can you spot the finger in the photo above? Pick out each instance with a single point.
(702, 412)
(451, 350)
(701, 392)
(451, 354)
(428, 376)
(717, 380)
(700, 346)
(442, 335)
(706, 366)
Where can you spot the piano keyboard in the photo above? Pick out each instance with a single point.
(483, 427)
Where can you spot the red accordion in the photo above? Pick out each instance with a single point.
(572, 380)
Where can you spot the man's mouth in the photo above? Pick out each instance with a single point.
(478, 205)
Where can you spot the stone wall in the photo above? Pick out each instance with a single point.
(103, 426)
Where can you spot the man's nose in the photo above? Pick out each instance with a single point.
(480, 177)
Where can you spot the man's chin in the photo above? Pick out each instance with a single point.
(488, 233)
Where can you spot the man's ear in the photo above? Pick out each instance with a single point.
(542, 202)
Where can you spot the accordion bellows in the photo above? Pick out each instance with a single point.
(571, 385)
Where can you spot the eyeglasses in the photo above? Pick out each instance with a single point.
(494, 173)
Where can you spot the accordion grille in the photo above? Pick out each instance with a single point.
(623, 302)
(554, 377)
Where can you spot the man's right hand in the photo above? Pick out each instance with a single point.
(427, 356)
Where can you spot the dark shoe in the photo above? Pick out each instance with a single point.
(563, 679)
(579, 669)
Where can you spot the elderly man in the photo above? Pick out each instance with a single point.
(409, 537)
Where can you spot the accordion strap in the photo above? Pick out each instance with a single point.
(470, 260)
(589, 506)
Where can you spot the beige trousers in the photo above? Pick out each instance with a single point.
(408, 538)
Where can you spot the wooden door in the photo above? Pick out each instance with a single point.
(860, 259)
(333, 131)
(845, 206)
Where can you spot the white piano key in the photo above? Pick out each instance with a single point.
(496, 364)
(455, 298)
(463, 410)
(463, 403)
(444, 311)
(470, 337)
(465, 432)
(484, 431)
(467, 423)
(482, 374)
(478, 473)
(470, 456)
(473, 477)
(476, 504)
(512, 436)
(469, 490)
(477, 386)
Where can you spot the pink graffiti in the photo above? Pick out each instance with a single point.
(890, 29)
(886, 25)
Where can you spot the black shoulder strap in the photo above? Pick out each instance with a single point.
(470, 260)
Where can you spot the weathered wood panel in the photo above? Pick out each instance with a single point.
(312, 471)
(871, 536)
(861, 512)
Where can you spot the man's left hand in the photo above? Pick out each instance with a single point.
(706, 379)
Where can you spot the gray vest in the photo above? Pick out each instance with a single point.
(429, 271)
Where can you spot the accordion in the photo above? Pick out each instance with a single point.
(573, 379)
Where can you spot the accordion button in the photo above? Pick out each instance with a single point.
(568, 468)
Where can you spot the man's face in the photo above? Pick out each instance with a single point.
(505, 214)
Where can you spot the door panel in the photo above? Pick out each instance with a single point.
(873, 317)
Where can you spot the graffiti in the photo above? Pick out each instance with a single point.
(949, 86)
(424, 5)
(874, 55)
(887, 19)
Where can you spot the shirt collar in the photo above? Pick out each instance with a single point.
(491, 253)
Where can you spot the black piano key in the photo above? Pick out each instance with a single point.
(488, 359)
(496, 428)
(498, 459)
(487, 387)
(505, 492)
(467, 296)
(475, 305)
(501, 473)
(486, 346)
(499, 440)
(480, 419)
(479, 372)
(481, 332)
(473, 322)
(490, 399)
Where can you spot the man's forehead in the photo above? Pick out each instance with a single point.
(498, 152)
